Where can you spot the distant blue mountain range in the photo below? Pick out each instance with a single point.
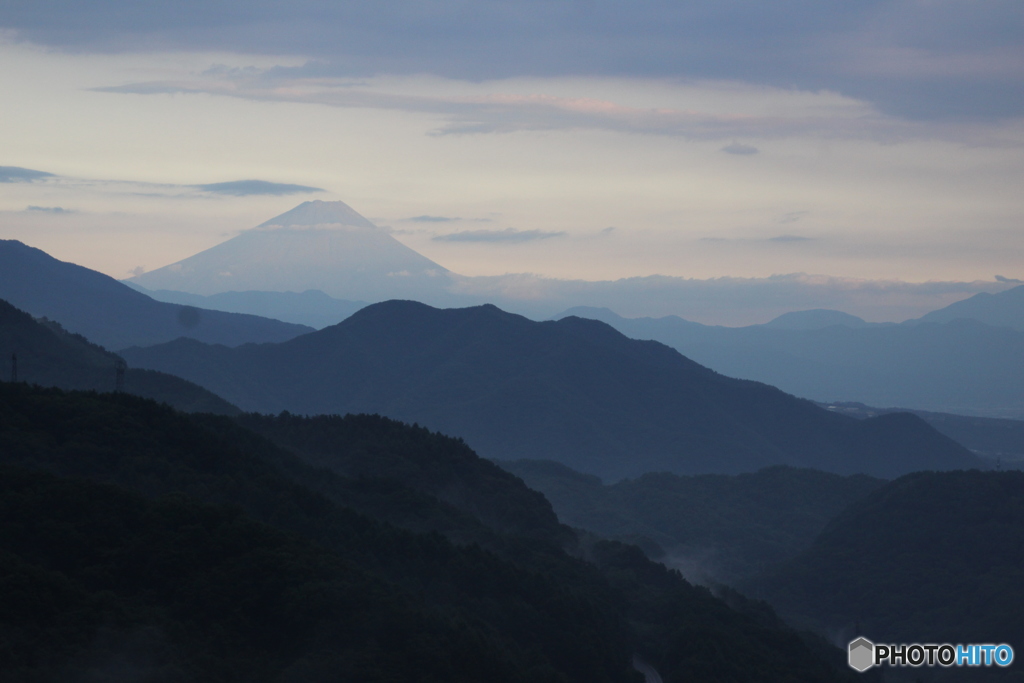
(961, 366)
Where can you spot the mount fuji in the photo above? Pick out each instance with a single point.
(318, 245)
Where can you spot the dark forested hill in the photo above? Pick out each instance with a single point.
(574, 391)
(100, 584)
(114, 315)
(48, 355)
(713, 527)
(932, 557)
(243, 563)
(371, 446)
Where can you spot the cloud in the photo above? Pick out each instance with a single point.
(778, 239)
(15, 174)
(50, 209)
(432, 219)
(792, 216)
(508, 235)
(245, 188)
(924, 60)
(742, 150)
(724, 300)
(141, 188)
(509, 112)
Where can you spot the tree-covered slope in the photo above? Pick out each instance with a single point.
(575, 391)
(536, 611)
(575, 630)
(931, 557)
(48, 355)
(713, 527)
(100, 584)
(364, 446)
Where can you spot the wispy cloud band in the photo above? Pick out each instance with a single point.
(16, 174)
(509, 235)
(921, 60)
(235, 188)
(502, 112)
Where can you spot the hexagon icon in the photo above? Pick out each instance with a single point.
(862, 654)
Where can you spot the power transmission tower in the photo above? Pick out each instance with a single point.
(119, 369)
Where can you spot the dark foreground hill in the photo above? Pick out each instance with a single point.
(100, 582)
(574, 391)
(714, 528)
(50, 356)
(220, 556)
(932, 557)
(114, 315)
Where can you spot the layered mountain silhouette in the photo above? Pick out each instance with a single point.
(311, 307)
(714, 528)
(574, 391)
(815, 319)
(963, 366)
(993, 438)
(318, 245)
(47, 355)
(1004, 309)
(143, 544)
(114, 315)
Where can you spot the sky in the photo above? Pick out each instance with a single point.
(880, 140)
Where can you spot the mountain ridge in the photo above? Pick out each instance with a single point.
(49, 356)
(114, 315)
(574, 390)
(962, 366)
(1003, 309)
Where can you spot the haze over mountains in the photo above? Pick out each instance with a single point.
(1003, 309)
(575, 391)
(326, 260)
(65, 284)
(961, 366)
(437, 521)
(311, 307)
(327, 246)
(714, 528)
